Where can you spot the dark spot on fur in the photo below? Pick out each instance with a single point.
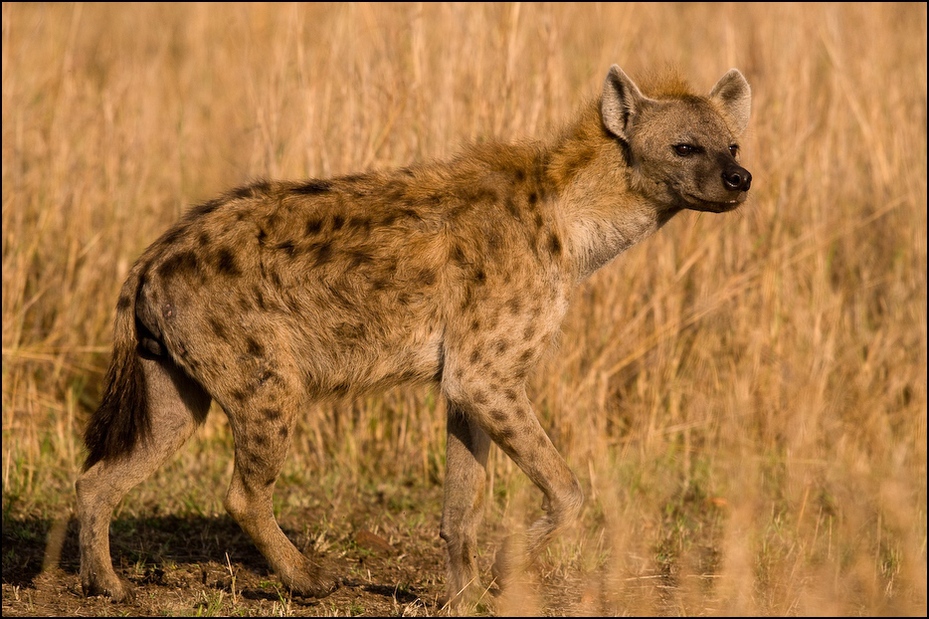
(172, 236)
(204, 238)
(272, 220)
(123, 303)
(218, 329)
(255, 348)
(271, 413)
(261, 440)
(427, 277)
(498, 415)
(270, 481)
(475, 356)
(179, 264)
(511, 394)
(480, 397)
(475, 324)
(457, 254)
(380, 283)
(505, 434)
(533, 198)
(388, 219)
(515, 305)
(265, 376)
(539, 222)
(480, 277)
(554, 244)
(520, 175)
(323, 252)
(239, 395)
(255, 190)
(357, 257)
(337, 222)
(348, 331)
(314, 187)
(226, 264)
(529, 331)
(284, 431)
(313, 226)
(500, 346)
(205, 208)
(363, 224)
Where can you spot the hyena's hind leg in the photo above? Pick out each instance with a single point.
(261, 426)
(176, 406)
(465, 488)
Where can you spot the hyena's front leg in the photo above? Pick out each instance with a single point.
(465, 487)
(504, 412)
(261, 428)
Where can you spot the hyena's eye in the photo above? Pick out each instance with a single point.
(686, 150)
(734, 150)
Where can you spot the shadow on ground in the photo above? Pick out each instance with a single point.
(34, 545)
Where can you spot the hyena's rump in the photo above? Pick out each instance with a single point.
(280, 294)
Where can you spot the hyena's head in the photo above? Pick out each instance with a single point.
(683, 149)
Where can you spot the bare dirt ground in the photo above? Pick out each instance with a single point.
(390, 562)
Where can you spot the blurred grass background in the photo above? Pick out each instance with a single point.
(743, 396)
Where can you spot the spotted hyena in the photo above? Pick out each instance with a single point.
(279, 294)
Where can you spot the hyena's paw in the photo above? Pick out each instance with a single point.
(312, 582)
(110, 586)
(509, 565)
(463, 602)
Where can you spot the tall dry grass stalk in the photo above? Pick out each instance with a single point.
(744, 396)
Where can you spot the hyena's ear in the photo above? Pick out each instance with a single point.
(734, 96)
(621, 100)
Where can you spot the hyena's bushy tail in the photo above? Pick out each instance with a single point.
(123, 418)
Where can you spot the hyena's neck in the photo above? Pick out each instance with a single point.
(600, 212)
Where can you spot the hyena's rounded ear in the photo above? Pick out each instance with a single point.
(620, 102)
(734, 96)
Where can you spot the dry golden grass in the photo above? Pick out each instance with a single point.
(744, 396)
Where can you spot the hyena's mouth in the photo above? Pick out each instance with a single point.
(696, 203)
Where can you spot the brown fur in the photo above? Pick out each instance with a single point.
(279, 294)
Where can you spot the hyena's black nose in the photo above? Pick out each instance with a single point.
(737, 178)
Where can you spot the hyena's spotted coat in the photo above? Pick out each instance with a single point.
(283, 293)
